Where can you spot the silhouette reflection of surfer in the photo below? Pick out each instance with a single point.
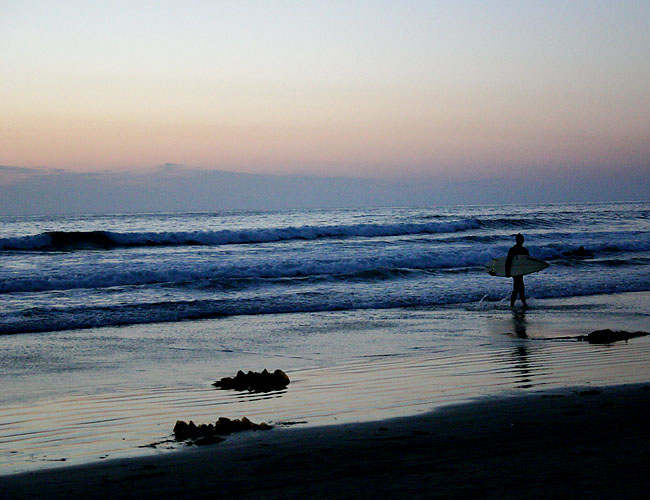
(522, 367)
(517, 281)
(519, 324)
(520, 353)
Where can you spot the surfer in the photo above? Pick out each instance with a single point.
(580, 252)
(517, 281)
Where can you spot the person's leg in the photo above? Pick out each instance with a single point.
(522, 295)
(517, 289)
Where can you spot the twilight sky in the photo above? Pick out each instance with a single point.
(420, 91)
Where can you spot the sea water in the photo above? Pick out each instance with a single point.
(70, 272)
(114, 326)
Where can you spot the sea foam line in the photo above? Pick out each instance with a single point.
(72, 240)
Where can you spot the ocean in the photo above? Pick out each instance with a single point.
(69, 272)
(112, 327)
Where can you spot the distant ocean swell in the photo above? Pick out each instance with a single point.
(383, 262)
(107, 240)
(60, 240)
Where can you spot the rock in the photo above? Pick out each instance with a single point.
(183, 431)
(255, 382)
(281, 378)
(212, 433)
(610, 336)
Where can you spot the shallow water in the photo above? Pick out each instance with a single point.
(86, 395)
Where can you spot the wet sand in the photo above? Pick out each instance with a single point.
(121, 389)
(564, 443)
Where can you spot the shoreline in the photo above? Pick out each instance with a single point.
(87, 407)
(558, 443)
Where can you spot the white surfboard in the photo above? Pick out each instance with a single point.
(521, 265)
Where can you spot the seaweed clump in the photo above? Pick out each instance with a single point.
(203, 434)
(255, 381)
(609, 336)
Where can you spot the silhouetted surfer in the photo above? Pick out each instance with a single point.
(517, 281)
(580, 252)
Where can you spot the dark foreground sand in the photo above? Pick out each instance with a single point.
(567, 444)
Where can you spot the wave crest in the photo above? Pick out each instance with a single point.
(106, 240)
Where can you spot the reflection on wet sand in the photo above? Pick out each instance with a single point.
(92, 427)
(520, 353)
(88, 428)
(522, 367)
(519, 323)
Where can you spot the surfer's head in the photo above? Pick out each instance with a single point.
(519, 239)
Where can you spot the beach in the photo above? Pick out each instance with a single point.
(84, 396)
(407, 366)
(529, 410)
(562, 444)
(321, 250)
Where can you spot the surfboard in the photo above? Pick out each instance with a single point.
(521, 265)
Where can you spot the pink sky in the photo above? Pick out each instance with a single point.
(383, 89)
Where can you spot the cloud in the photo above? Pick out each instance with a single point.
(17, 170)
(10, 174)
(170, 167)
(173, 187)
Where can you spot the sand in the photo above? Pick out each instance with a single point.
(561, 444)
(77, 433)
(101, 394)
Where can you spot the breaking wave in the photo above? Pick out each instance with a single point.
(105, 240)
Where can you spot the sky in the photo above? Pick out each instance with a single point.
(474, 101)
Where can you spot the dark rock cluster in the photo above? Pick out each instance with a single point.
(255, 381)
(610, 336)
(212, 433)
